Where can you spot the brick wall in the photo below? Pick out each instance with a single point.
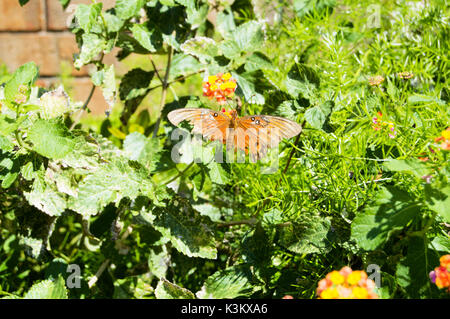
(38, 32)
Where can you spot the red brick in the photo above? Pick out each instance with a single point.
(60, 19)
(13, 17)
(17, 49)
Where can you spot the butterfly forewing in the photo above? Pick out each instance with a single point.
(209, 123)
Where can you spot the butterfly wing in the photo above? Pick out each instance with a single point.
(211, 124)
(257, 133)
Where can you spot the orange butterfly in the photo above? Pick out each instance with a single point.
(254, 134)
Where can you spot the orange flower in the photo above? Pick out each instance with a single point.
(346, 284)
(444, 138)
(441, 275)
(219, 87)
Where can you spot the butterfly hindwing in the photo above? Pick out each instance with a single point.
(263, 132)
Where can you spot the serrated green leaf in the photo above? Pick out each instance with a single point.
(144, 36)
(317, 115)
(87, 15)
(201, 47)
(183, 64)
(145, 150)
(168, 290)
(48, 289)
(45, 196)
(113, 23)
(310, 234)
(51, 138)
(109, 184)
(126, 9)
(302, 80)
(391, 209)
(92, 46)
(188, 231)
(231, 282)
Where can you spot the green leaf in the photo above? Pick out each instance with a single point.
(249, 36)
(87, 15)
(109, 85)
(438, 200)
(217, 173)
(24, 75)
(135, 84)
(196, 16)
(133, 287)
(5, 144)
(9, 179)
(113, 23)
(158, 261)
(440, 243)
(45, 196)
(92, 46)
(23, 2)
(310, 234)
(126, 9)
(392, 209)
(188, 231)
(247, 88)
(205, 49)
(418, 99)
(317, 116)
(302, 80)
(109, 184)
(145, 150)
(48, 289)
(183, 64)
(144, 36)
(413, 166)
(167, 290)
(225, 24)
(413, 270)
(258, 61)
(232, 282)
(51, 138)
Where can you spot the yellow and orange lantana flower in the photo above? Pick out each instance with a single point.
(441, 275)
(444, 138)
(219, 87)
(346, 284)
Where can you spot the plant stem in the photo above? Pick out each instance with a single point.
(84, 107)
(179, 174)
(165, 85)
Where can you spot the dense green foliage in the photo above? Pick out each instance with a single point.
(104, 193)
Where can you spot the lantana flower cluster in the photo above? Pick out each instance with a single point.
(378, 123)
(346, 284)
(441, 275)
(219, 87)
(444, 140)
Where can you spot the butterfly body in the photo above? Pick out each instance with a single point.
(253, 134)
